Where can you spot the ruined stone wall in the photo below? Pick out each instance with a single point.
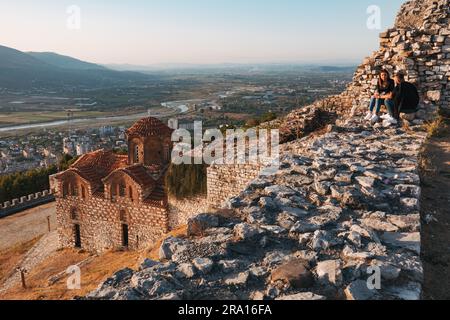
(419, 45)
(101, 223)
(180, 211)
(226, 181)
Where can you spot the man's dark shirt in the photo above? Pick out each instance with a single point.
(406, 97)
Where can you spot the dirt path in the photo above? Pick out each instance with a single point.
(436, 217)
(27, 225)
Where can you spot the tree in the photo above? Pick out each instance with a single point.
(20, 184)
(186, 180)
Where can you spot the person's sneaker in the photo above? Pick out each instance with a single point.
(368, 116)
(374, 119)
(386, 124)
(389, 122)
(385, 116)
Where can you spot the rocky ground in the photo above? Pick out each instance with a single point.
(43, 249)
(342, 209)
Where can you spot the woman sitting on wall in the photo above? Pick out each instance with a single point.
(383, 96)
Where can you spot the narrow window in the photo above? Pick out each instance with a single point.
(113, 192)
(74, 190)
(123, 216)
(130, 193)
(124, 235)
(65, 190)
(77, 235)
(136, 154)
(122, 190)
(74, 214)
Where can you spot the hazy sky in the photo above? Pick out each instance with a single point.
(144, 32)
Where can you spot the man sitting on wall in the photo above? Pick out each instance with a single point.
(406, 98)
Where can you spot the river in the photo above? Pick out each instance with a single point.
(182, 108)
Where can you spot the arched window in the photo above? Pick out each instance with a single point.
(123, 216)
(130, 193)
(65, 189)
(74, 215)
(83, 192)
(136, 154)
(122, 190)
(74, 189)
(113, 192)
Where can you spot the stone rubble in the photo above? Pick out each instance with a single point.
(289, 240)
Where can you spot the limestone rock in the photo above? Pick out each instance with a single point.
(245, 231)
(329, 272)
(200, 223)
(204, 265)
(358, 290)
(238, 279)
(308, 296)
(170, 246)
(187, 269)
(365, 181)
(409, 241)
(294, 273)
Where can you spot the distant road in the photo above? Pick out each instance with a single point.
(26, 225)
(174, 107)
(62, 122)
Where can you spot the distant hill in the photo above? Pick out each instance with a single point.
(12, 58)
(65, 62)
(20, 70)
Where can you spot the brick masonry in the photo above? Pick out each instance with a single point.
(226, 181)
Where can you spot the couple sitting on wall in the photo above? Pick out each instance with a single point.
(397, 95)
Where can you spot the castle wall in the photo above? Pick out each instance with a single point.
(226, 181)
(182, 210)
(101, 225)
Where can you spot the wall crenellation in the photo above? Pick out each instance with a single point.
(25, 202)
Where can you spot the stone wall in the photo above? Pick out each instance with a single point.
(226, 181)
(26, 202)
(100, 222)
(180, 211)
(419, 45)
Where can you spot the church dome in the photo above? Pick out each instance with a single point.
(149, 127)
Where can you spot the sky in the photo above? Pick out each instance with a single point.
(147, 32)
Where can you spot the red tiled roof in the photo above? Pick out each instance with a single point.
(88, 173)
(103, 162)
(158, 197)
(96, 165)
(149, 127)
(140, 174)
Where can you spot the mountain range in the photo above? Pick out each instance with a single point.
(25, 70)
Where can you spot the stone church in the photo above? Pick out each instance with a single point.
(108, 201)
(105, 200)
